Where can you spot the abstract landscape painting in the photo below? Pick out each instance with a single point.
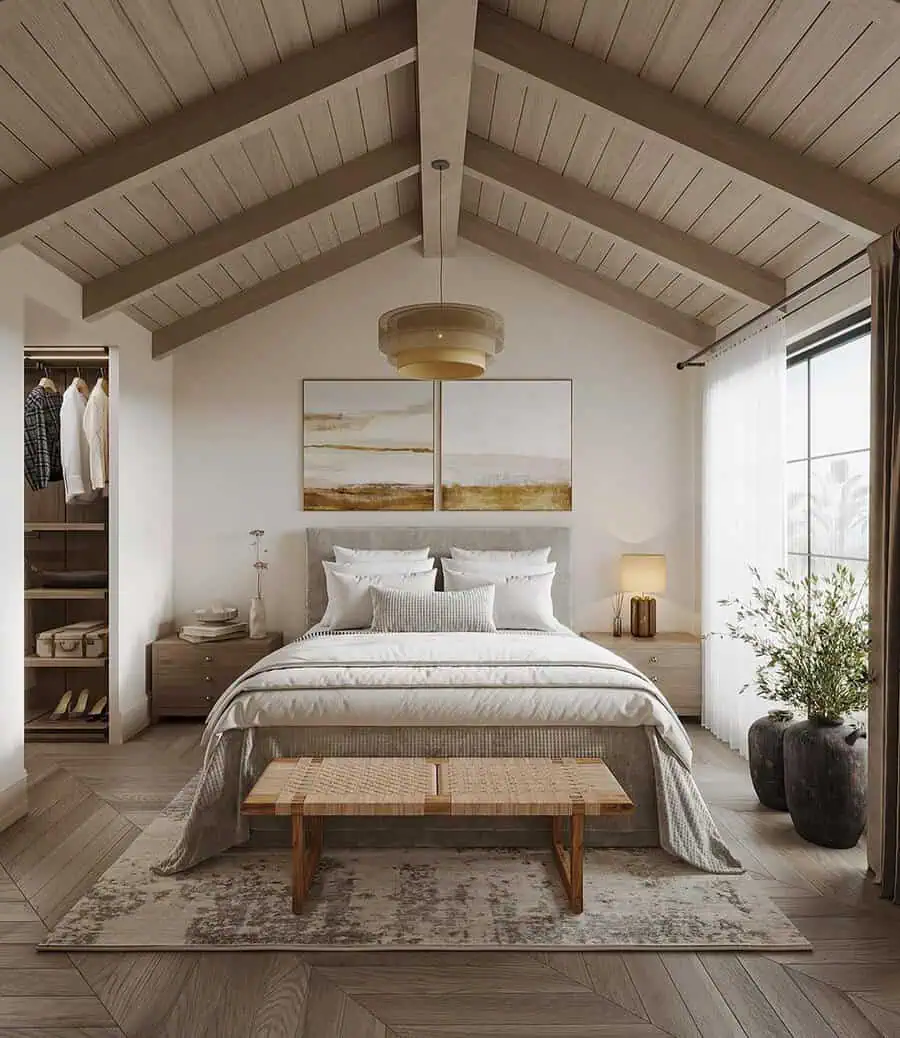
(368, 446)
(506, 446)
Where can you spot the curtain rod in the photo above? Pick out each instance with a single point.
(691, 361)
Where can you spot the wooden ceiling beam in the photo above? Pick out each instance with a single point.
(491, 163)
(446, 41)
(584, 280)
(403, 231)
(831, 196)
(386, 165)
(372, 50)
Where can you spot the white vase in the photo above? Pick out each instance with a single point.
(257, 618)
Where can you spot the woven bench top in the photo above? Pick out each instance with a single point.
(451, 786)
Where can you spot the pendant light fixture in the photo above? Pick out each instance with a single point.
(440, 341)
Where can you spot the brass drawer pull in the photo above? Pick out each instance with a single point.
(654, 659)
(207, 677)
(207, 659)
(654, 678)
(208, 699)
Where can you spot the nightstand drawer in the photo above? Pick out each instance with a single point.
(680, 685)
(678, 682)
(178, 671)
(663, 658)
(186, 702)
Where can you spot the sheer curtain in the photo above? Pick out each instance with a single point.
(743, 513)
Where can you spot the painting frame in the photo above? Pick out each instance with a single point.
(483, 425)
(374, 452)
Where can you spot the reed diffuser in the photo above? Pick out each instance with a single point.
(618, 606)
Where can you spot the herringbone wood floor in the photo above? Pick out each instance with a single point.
(89, 802)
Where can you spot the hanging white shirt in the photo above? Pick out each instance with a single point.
(74, 451)
(96, 429)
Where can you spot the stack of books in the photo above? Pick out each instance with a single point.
(215, 631)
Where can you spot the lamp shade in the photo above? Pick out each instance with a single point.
(643, 574)
(440, 340)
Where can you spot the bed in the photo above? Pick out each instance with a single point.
(504, 694)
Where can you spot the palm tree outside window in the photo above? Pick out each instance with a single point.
(828, 450)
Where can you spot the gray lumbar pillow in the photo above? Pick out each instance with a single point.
(397, 611)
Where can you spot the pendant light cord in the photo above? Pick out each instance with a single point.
(441, 230)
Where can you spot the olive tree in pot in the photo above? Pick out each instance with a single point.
(811, 637)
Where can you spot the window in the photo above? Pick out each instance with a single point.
(828, 452)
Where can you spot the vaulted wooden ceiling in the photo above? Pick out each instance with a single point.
(687, 161)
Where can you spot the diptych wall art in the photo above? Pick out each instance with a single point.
(368, 445)
(506, 446)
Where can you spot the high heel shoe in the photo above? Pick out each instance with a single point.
(62, 707)
(99, 711)
(77, 712)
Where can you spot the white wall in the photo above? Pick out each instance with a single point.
(141, 563)
(140, 528)
(237, 431)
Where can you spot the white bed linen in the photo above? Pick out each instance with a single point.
(423, 682)
(508, 678)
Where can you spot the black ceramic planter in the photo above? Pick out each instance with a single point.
(766, 757)
(825, 781)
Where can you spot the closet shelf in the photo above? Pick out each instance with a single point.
(64, 527)
(63, 593)
(42, 729)
(63, 663)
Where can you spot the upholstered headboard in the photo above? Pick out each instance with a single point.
(320, 544)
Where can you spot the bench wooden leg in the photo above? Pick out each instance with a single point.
(306, 844)
(570, 862)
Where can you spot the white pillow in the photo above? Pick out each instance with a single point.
(521, 603)
(368, 566)
(499, 568)
(368, 554)
(527, 555)
(350, 603)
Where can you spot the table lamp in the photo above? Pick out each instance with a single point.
(643, 576)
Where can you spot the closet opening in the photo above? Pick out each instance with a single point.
(66, 431)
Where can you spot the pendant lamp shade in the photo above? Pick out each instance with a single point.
(440, 341)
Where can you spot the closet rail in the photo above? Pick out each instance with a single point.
(60, 357)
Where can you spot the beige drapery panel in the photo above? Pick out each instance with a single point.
(884, 556)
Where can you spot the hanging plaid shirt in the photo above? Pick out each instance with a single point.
(42, 458)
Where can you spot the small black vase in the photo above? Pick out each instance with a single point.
(766, 755)
(825, 781)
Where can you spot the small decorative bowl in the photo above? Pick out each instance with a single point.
(216, 615)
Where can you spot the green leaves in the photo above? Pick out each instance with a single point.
(811, 637)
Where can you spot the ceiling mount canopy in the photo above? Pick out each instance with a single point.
(440, 341)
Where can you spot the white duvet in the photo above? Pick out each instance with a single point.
(504, 679)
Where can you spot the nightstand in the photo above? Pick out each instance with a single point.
(670, 660)
(186, 679)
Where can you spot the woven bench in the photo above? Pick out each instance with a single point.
(310, 789)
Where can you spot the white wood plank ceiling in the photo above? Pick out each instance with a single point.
(117, 166)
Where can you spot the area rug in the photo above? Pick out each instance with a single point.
(435, 899)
